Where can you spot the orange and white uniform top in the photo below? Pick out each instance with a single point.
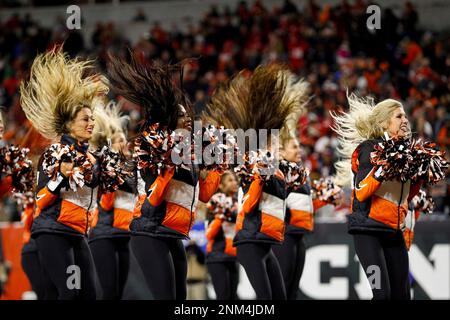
(167, 202)
(262, 211)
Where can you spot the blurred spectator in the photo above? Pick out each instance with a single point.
(140, 16)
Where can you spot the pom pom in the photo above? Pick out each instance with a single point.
(327, 191)
(14, 162)
(429, 164)
(423, 203)
(394, 156)
(218, 148)
(114, 169)
(261, 163)
(153, 147)
(82, 172)
(223, 207)
(406, 159)
(295, 173)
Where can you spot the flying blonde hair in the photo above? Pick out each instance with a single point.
(57, 90)
(109, 121)
(364, 120)
(297, 93)
(271, 98)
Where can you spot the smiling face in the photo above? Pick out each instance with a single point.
(184, 119)
(229, 184)
(291, 151)
(398, 124)
(82, 126)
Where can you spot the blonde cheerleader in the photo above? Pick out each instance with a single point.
(59, 100)
(379, 205)
(110, 233)
(300, 206)
(259, 102)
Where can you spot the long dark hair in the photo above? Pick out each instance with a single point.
(150, 86)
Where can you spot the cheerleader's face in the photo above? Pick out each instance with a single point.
(82, 126)
(184, 120)
(399, 124)
(229, 184)
(2, 130)
(291, 151)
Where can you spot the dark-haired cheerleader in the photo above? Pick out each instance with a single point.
(165, 211)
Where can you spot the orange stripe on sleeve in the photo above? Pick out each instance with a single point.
(213, 228)
(209, 185)
(367, 187)
(27, 218)
(253, 195)
(44, 198)
(159, 186)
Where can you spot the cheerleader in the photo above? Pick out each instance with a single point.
(378, 206)
(58, 101)
(165, 211)
(221, 255)
(31, 264)
(259, 102)
(299, 220)
(109, 236)
(38, 278)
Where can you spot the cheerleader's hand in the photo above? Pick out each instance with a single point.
(66, 168)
